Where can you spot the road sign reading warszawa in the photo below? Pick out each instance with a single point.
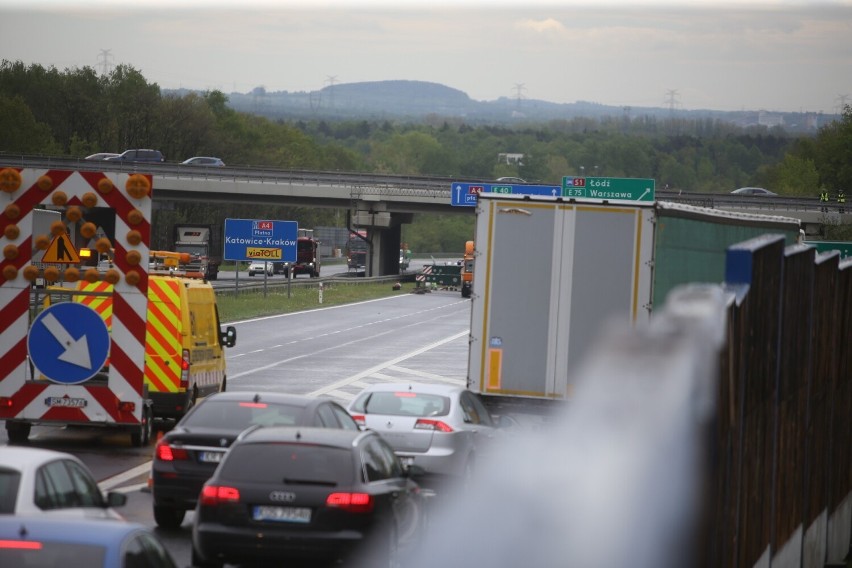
(465, 194)
(249, 239)
(627, 189)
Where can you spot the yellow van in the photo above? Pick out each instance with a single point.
(184, 341)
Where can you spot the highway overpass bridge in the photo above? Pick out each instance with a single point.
(378, 203)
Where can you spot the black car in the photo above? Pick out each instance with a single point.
(187, 456)
(306, 493)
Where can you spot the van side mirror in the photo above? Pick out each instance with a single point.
(228, 338)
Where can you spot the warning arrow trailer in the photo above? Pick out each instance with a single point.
(52, 369)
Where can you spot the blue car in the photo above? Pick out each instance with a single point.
(46, 542)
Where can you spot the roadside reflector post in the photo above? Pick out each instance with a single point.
(320, 292)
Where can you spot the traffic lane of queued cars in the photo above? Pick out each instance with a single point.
(322, 494)
(186, 456)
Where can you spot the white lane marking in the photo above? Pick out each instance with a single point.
(120, 478)
(343, 395)
(375, 369)
(426, 375)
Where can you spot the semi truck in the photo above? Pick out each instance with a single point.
(308, 258)
(204, 245)
(551, 271)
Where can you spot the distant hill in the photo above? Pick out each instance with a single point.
(417, 100)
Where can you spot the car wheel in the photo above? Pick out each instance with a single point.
(141, 436)
(169, 518)
(18, 432)
(200, 562)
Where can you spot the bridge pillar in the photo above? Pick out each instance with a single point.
(384, 232)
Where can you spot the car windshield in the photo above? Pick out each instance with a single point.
(239, 415)
(36, 554)
(288, 463)
(403, 403)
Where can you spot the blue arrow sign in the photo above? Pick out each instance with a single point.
(248, 239)
(464, 194)
(68, 343)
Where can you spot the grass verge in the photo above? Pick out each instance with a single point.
(250, 304)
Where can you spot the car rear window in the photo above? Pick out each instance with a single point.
(9, 482)
(239, 415)
(37, 554)
(403, 403)
(304, 464)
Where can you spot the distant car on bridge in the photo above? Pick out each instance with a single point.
(753, 191)
(203, 161)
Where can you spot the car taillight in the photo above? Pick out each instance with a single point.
(360, 419)
(216, 495)
(168, 453)
(21, 544)
(434, 425)
(352, 502)
(184, 370)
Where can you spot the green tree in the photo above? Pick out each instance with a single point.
(22, 133)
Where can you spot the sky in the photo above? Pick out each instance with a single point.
(776, 55)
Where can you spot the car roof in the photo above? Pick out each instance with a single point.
(426, 388)
(23, 458)
(74, 529)
(335, 437)
(269, 397)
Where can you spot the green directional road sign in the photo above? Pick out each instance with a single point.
(627, 189)
(501, 189)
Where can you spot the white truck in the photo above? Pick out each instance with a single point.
(550, 271)
(203, 244)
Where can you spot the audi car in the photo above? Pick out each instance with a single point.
(299, 493)
(187, 456)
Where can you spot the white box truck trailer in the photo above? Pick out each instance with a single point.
(550, 272)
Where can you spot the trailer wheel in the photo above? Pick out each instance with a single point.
(141, 436)
(18, 432)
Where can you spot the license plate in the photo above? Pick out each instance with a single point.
(211, 457)
(67, 402)
(281, 514)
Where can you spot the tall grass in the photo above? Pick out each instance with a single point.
(249, 304)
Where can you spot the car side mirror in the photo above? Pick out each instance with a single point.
(228, 338)
(116, 499)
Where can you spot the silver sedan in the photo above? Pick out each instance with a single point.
(441, 428)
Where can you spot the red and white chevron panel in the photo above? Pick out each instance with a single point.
(127, 348)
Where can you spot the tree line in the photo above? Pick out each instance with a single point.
(76, 112)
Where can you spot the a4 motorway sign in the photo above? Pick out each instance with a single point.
(250, 239)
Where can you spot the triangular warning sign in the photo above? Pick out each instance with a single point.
(61, 251)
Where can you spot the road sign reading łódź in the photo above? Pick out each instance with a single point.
(627, 189)
(464, 194)
(248, 239)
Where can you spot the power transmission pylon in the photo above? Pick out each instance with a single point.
(104, 61)
(331, 79)
(519, 94)
(671, 100)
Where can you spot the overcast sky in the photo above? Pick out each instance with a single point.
(723, 55)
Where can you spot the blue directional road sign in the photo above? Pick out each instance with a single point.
(465, 194)
(68, 343)
(248, 239)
